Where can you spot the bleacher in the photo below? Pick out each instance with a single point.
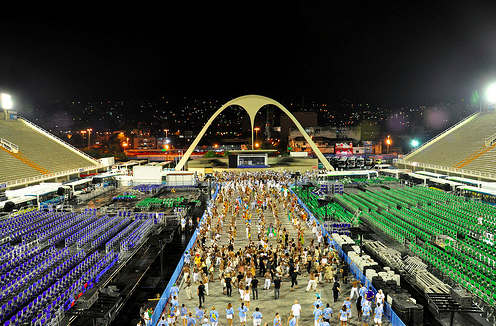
(12, 168)
(40, 279)
(38, 153)
(416, 216)
(462, 146)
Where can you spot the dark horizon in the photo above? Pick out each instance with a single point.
(396, 54)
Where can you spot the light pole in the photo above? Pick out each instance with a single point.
(388, 142)
(256, 134)
(89, 136)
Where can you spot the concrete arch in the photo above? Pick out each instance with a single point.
(252, 104)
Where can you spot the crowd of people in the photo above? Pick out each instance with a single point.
(258, 204)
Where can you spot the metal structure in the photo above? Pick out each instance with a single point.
(252, 104)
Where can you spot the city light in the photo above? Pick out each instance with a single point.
(388, 142)
(491, 93)
(6, 101)
(415, 143)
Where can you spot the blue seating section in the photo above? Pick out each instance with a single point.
(148, 188)
(137, 236)
(38, 281)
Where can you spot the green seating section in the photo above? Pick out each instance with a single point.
(379, 181)
(154, 203)
(334, 210)
(408, 214)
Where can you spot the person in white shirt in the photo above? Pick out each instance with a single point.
(379, 298)
(296, 310)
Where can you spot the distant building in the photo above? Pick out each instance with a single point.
(324, 137)
(144, 143)
(304, 118)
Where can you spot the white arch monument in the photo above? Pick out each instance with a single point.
(252, 104)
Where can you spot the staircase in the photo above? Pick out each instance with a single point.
(27, 161)
(11, 168)
(474, 156)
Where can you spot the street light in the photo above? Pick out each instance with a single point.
(89, 136)
(256, 133)
(415, 143)
(388, 142)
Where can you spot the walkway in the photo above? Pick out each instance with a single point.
(266, 302)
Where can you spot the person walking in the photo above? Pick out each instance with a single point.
(214, 316)
(378, 312)
(379, 298)
(184, 314)
(228, 281)
(336, 290)
(257, 317)
(268, 279)
(292, 321)
(312, 282)
(242, 314)
(343, 315)
(359, 308)
(327, 315)
(246, 296)
(296, 310)
(277, 287)
(201, 293)
(277, 320)
(317, 315)
(229, 314)
(294, 282)
(190, 321)
(348, 305)
(354, 288)
(366, 310)
(254, 287)
(187, 287)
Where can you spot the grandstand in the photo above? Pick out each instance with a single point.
(31, 153)
(468, 148)
(48, 260)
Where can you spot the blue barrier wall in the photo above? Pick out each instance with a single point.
(357, 273)
(164, 299)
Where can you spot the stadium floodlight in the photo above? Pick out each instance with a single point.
(6, 101)
(491, 93)
(415, 143)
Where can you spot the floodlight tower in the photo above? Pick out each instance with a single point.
(6, 101)
(491, 94)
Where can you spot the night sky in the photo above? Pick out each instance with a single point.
(386, 52)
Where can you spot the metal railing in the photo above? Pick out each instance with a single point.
(8, 145)
(490, 140)
(49, 176)
(60, 141)
(466, 172)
